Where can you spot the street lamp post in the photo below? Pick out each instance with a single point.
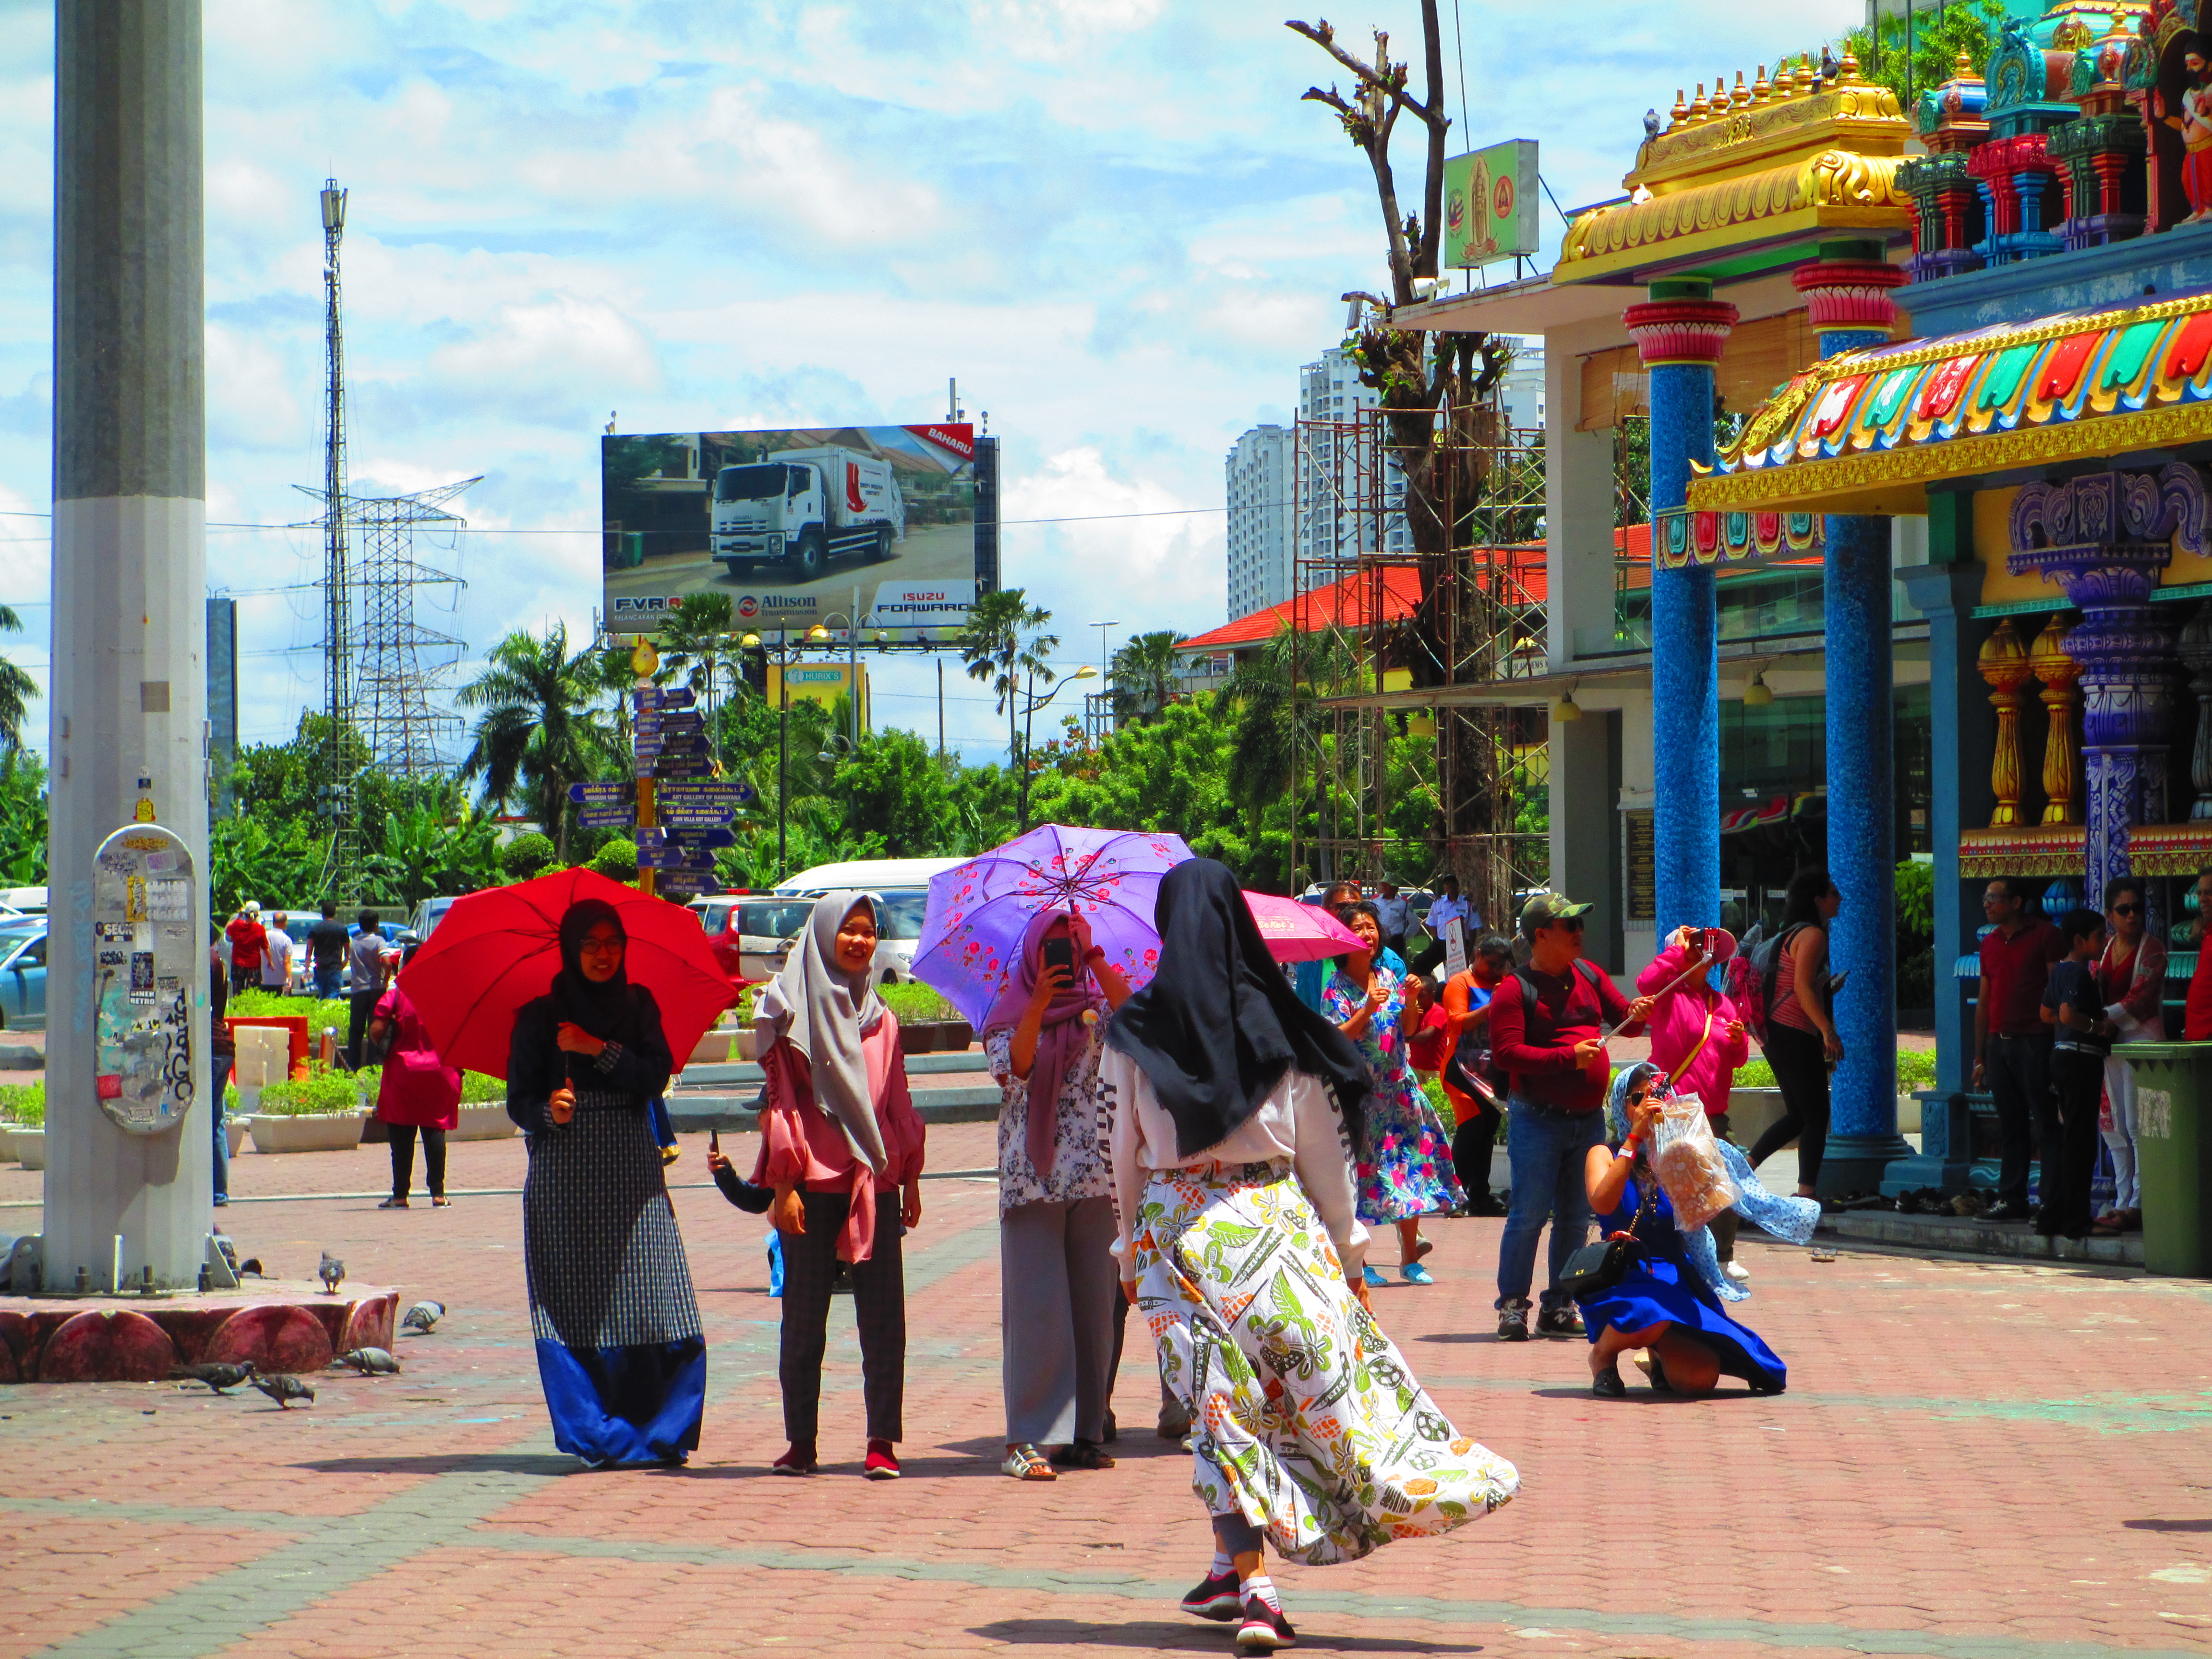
(1105, 661)
(1031, 703)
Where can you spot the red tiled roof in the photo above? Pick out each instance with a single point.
(1344, 604)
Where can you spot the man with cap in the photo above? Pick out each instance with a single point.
(1548, 1022)
(248, 945)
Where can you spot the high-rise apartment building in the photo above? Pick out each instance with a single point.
(1521, 391)
(1259, 480)
(1335, 454)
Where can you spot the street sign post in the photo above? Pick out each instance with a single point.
(607, 818)
(598, 794)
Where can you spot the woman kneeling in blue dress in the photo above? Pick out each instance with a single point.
(1669, 1301)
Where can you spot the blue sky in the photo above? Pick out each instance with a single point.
(1112, 220)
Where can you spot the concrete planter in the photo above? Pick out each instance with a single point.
(1752, 1110)
(317, 1132)
(30, 1146)
(485, 1121)
(749, 1044)
(714, 1048)
(234, 1129)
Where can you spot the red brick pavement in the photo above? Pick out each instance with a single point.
(1974, 1459)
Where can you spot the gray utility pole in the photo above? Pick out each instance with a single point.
(130, 584)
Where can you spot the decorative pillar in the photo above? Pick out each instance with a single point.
(1847, 299)
(1681, 332)
(2003, 664)
(2062, 756)
(2196, 646)
(128, 697)
(2105, 537)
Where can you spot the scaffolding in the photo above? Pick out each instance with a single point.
(1417, 758)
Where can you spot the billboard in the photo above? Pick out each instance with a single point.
(790, 524)
(1490, 204)
(823, 682)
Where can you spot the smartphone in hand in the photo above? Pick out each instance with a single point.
(1060, 953)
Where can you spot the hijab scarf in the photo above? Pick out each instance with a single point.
(606, 1008)
(1220, 1026)
(825, 1011)
(1060, 1037)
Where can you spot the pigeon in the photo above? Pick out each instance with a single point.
(331, 1271)
(1652, 124)
(423, 1316)
(251, 1264)
(370, 1362)
(217, 1376)
(283, 1390)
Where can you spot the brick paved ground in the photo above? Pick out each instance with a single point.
(1975, 1460)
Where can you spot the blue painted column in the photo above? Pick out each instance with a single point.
(1847, 299)
(1680, 333)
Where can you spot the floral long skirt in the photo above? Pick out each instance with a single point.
(1407, 1171)
(1307, 1421)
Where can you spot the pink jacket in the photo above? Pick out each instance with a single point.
(1692, 1011)
(802, 1144)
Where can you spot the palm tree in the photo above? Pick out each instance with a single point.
(17, 688)
(1004, 645)
(694, 643)
(1143, 675)
(539, 731)
(1276, 713)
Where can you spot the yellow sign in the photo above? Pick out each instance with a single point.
(823, 682)
(644, 660)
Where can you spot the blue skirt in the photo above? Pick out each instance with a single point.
(620, 1350)
(1659, 1288)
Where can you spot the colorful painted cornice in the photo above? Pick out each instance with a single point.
(1868, 431)
(1773, 163)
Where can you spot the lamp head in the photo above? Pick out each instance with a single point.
(818, 634)
(751, 641)
(1086, 673)
(1758, 693)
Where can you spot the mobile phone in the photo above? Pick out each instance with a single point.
(713, 1141)
(1060, 953)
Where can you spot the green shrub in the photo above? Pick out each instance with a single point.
(617, 860)
(477, 1090)
(267, 1005)
(913, 1003)
(1916, 1069)
(527, 855)
(328, 1092)
(24, 1103)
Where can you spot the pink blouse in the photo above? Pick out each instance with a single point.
(801, 1145)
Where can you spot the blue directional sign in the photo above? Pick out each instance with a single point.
(721, 792)
(664, 697)
(607, 818)
(597, 794)
(688, 883)
(667, 855)
(683, 720)
(680, 766)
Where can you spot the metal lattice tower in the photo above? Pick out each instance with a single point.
(407, 738)
(336, 791)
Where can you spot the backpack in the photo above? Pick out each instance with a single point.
(1583, 971)
(1749, 981)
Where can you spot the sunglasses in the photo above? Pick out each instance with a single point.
(1572, 924)
(2127, 909)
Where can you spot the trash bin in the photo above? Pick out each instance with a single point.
(2174, 1151)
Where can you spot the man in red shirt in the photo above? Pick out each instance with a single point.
(2012, 1045)
(1545, 1021)
(2197, 1014)
(247, 945)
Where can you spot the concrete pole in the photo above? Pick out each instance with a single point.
(1847, 299)
(130, 584)
(1681, 332)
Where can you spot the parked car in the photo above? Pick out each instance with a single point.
(901, 886)
(750, 934)
(23, 974)
(427, 915)
(24, 901)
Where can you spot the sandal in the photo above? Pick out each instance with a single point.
(393, 1204)
(441, 1202)
(2112, 1229)
(1084, 1454)
(1025, 1462)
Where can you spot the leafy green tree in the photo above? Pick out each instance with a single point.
(1005, 646)
(1911, 64)
(540, 730)
(527, 855)
(1141, 680)
(896, 805)
(17, 688)
(617, 860)
(23, 819)
(1171, 774)
(421, 853)
(272, 859)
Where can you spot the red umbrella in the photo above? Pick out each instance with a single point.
(496, 950)
(1300, 932)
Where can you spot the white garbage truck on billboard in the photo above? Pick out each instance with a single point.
(798, 507)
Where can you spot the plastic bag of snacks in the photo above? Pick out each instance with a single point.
(1687, 1159)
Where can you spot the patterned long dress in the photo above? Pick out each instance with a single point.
(1407, 1170)
(1309, 1422)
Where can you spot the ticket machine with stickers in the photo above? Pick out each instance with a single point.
(149, 963)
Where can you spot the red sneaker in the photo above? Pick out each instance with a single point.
(795, 1460)
(881, 1465)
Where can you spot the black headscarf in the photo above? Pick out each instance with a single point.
(605, 1008)
(1220, 1026)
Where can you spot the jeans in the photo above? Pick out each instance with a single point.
(2018, 1072)
(403, 1159)
(218, 1079)
(328, 981)
(1547, 1149)
(363, 1011)
(2120, 1139)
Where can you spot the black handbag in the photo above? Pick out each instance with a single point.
(1597, 1267)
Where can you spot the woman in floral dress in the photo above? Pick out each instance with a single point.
(1407, 1170)
(1232, 1113)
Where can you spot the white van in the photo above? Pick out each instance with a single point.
(902, 885)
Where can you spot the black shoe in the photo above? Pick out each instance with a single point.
(1217, 1598)
(2005, 1212)
(1265, 1629)
(1609, 1386)
(1560, 1319)
(1513, 1321)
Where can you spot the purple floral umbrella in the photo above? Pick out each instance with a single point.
(979, 911)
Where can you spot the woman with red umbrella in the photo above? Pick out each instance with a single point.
(619, 1345)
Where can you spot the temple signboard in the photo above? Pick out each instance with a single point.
(1490, 204)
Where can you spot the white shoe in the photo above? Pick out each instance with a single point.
(1737, 1271)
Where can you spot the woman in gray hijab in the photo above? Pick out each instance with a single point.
(841, 1146)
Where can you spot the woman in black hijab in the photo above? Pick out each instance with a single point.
(619, 1345)
(1234, 1113)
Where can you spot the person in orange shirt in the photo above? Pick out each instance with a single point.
(1468, 1082)
(843, 1146)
